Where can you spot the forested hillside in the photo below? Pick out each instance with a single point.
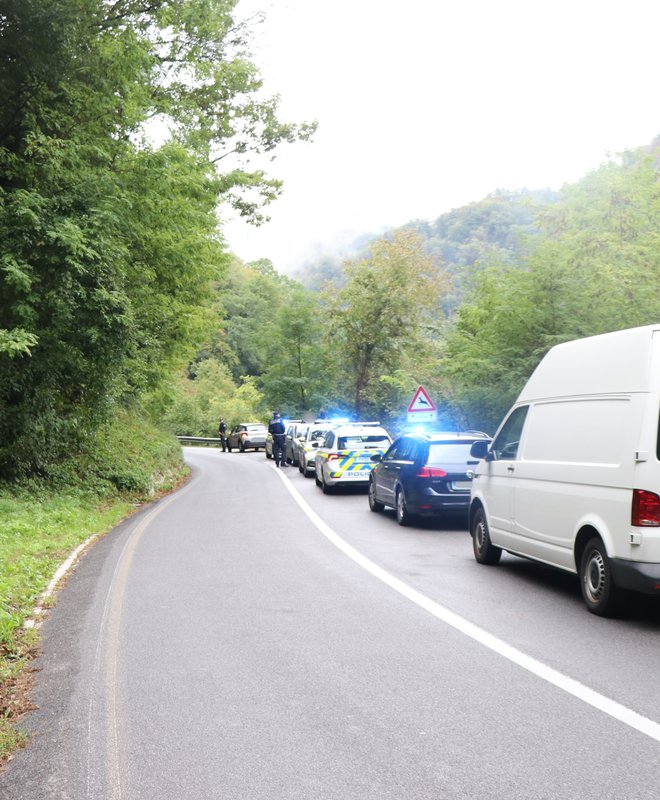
(502, 226)
(466, 305)
(595, 267)
(109, 243)
(118, 291)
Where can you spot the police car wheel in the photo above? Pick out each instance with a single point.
(326, 488)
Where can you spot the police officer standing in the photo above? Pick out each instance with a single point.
(222, 430)
(278, 431)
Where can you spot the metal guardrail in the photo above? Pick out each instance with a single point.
(205, 440)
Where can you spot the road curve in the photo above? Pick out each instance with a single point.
(218, 646)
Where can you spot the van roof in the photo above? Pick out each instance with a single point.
(613, 363)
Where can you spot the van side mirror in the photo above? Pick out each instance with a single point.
(480, 450)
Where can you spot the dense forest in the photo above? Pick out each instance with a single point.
(466, 305)
(117, 291)
(110, 244)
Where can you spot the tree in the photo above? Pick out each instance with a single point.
(596, 268)
(198, 404)
(109, 245)
(387, 311)
(293, 379)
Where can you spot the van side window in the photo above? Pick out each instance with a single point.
(505, 446)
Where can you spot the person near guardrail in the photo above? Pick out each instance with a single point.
(278, 430)
(222, 431)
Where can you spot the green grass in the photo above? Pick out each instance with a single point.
(41, 522)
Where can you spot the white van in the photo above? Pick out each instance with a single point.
(572, 476)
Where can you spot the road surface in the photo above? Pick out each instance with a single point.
(249, 638)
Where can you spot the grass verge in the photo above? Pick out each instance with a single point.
(42, 521)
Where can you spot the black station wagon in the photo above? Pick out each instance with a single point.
(424, 474)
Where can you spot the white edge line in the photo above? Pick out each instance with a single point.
(34, 621)
(610, 707)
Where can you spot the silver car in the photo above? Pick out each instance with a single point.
(313, 438)
(247, 436)
(294, 433)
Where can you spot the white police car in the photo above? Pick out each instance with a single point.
(345, 455)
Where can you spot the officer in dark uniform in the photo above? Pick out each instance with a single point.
(222, 430)
(277, 429)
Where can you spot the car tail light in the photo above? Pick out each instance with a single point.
(431, 472)
(333, 456)
(645, 508)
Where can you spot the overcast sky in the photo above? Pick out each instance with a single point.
(427, 105)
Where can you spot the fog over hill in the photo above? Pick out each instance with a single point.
(501, 226)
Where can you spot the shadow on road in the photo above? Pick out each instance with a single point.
(638, 608)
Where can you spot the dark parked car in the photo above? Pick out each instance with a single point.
(424, 474)
(247, 436)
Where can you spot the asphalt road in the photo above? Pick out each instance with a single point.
(250, 637)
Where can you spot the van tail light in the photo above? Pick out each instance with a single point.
(645, 509)
(431, 472)
(333, 456)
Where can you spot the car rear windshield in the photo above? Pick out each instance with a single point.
(355, 441)
(258, 428)
(449, 453)
(317, 433)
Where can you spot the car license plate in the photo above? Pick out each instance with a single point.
(461, 485)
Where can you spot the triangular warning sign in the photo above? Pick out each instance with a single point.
(421, 401)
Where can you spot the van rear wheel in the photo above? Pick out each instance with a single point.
(485, 551)
(599, 591)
